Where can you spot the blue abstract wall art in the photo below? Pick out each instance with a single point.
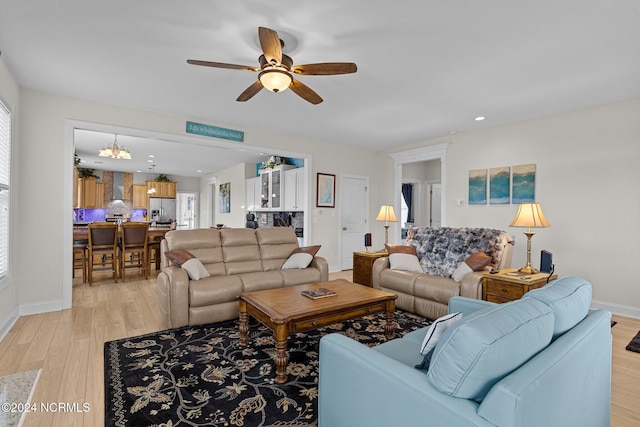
(499, 185)
(523, 184)
(478, 187)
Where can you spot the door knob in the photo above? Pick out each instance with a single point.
(344, 228)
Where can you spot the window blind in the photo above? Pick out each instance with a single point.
(5, 174)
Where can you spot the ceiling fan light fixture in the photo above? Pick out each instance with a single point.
(275, 80)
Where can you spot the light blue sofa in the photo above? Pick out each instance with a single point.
(543, 360)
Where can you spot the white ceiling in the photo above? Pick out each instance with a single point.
(425, 68)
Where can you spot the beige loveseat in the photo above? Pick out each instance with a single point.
(238, 260)
(440, 250)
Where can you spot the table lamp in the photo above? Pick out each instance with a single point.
(387, 215)
(529, 215)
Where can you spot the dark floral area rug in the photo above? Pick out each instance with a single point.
(634, 345)
(199, 376)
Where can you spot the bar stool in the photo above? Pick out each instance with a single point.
(80, 247)
(133, 247)
(103, 242)
(153, 247)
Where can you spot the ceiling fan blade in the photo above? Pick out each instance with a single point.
(222, 65)
(250, 91)
(325, 68)
(270, 43)
(305, 92)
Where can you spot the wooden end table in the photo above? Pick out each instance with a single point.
(363, 264)
(509, 284)
(286, 311)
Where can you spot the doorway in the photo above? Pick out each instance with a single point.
(187, 218)
(354, 211)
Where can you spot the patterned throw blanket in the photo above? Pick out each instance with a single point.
(441, 249)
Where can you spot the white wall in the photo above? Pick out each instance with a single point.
(588, 183)
(10, 94)
(235, 176)
(42, 140)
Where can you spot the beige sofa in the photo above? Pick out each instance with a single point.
(440, 250)
(238, 260)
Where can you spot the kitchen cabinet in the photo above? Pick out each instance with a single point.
(252, 191)
(271, 187)
(163, 189)
(139, 200)
(295, 195)
(100, 202)
(90, 193)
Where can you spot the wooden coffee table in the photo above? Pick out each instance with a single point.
(286, 311)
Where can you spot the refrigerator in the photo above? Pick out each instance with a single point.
(163, 210)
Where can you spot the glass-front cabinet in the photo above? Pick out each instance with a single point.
(271, 181)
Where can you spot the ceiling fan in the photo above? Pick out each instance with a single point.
(277, 69)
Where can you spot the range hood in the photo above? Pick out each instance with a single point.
(118, 186)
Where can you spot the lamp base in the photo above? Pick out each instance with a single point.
(528, 270)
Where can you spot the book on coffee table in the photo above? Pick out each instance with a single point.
(319, 293)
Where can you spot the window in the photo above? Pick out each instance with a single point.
(5, 173)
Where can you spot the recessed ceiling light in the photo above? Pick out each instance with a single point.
(150, 155)
(150, 161)
(479, 118)
(199, 171)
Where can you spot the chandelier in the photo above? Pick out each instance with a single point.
(115, 151)
(152, 190)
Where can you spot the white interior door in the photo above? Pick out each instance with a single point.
(354, 202)
(187, 207)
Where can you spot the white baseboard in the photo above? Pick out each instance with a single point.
(334, 269)
(41, 307)
(13, 318)
(622, 310)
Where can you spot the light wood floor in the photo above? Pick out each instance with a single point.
(68, 347)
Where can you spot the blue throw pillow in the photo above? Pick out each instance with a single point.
(426, 361)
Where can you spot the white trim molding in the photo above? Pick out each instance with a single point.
(619, 309)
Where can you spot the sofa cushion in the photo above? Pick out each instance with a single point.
(400, 249)
(179, 256)
(474, 262)
(437, 329)
(488, 345)
(195, 269)
(569, 298)
(297, 260)
(276, 244)
(403, 257)
(301, 257)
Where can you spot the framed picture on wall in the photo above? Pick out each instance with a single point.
(225, 198)
(325, 190)
(523, 184)
(499, 185)
(478, 187)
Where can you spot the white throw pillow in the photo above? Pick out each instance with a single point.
(195, 269)
(437, 329)
(298, 260)
(406, 262)
(462, 270)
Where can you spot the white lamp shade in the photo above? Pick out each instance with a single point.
(530, 215)
(386, 214)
